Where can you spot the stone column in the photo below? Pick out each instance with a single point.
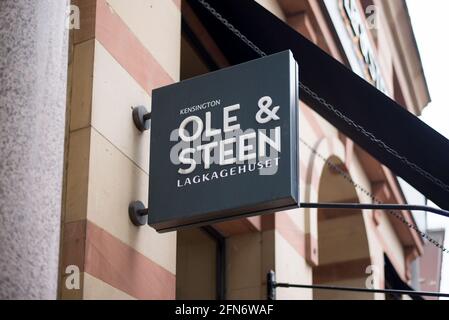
(33, 76)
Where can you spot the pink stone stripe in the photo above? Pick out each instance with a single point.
(122, 267)
(177, 3)
(307, 177)
(74, 243)
(113, 33)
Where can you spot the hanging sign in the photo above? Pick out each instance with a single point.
(225, 145)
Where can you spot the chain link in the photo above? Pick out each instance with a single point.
(233, 29)
(349, 121)
(329, 106)
(365, 191)
(379, 142)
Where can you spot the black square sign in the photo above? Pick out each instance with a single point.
(225, 145)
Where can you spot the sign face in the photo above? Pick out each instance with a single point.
(225, 145)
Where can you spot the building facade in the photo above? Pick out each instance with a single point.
(120, 53)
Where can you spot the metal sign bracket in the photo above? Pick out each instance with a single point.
(139, 214)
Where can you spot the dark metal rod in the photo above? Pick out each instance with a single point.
(143, 212)
(440, 212)
(337, 288)
(271, 285)
(147, 116)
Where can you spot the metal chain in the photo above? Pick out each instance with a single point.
(359, 128)
(379, 142)
(365, 191)
(329, 106)
(234, 30)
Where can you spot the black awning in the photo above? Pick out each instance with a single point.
(393, 280)
(405, 144)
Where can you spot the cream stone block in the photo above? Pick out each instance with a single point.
(359, 177)
(306, 132)
(336, 234)
(307, 188)
(308, 192)
(95, 289)
(115, 94)
(157, 24)
(328, 129)
(389, 236)
(311, 222)
(291, 268)
(297, 217)
(81, 85)
(114, 182)
(77, 176)
(375, 246)
(244, 256)
(268, 253)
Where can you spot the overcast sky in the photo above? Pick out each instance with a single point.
(429, 20)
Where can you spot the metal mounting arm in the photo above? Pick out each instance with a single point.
(362, 206)
(272, 285)
(138, 214)
(141, 118)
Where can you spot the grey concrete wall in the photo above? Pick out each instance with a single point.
(33, 76)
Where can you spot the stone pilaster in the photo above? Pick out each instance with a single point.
(33, 77)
